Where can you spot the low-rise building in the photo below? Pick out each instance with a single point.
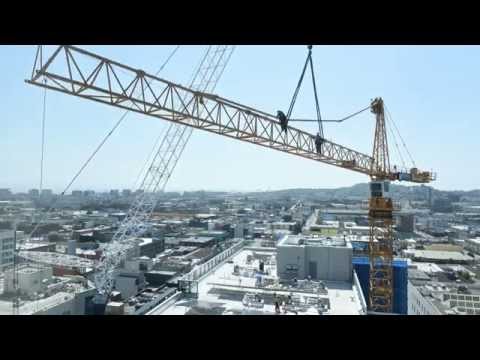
(7, 251)
(437, 256)
(472, 245)
(432, 290)
(200, 241)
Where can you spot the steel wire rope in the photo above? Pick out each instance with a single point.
(400, 135)
(396, 143)
(43, 137)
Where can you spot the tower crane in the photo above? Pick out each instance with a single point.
(122, 86)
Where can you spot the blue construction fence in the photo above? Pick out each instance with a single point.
(361, 265)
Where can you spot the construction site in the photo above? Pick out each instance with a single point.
(156, 258)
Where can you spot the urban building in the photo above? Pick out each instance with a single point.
(42, 293)
(7, 251)
(406, 223)
(244, 281)
(46, 193)
(473, 245)
(151, 246)
(34, 193)
(198, 241)
(400, 281)
(435, 290)
(438, 256)
(324, 258)
(5, 194)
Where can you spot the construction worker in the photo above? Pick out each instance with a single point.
(318, 143)
(283, 120)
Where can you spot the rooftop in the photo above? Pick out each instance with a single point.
(301, 240)
(226, 292)
(438, 255)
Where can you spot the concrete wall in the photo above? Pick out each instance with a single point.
(418, 304)
(332, 263)
(64, 308)
(288, 256)
(28, 282)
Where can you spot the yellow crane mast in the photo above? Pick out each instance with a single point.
(122, 86)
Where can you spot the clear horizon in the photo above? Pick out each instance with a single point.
(431, 92)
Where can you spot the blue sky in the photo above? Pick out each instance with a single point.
(432, 93)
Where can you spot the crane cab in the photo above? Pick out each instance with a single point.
(379, 188)
(380, 204)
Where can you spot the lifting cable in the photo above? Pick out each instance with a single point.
(43, 136)
(285, 118)
(337, 120)
(400, 135)
(92, 155)
(392, 134)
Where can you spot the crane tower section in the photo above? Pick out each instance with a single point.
(380, 216)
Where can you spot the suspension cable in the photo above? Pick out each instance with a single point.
(43, 137)
(317, 106)
(396, 143)
(117, 124)
(308, 61)
(338, 120)
(295, 94)
(401, 138)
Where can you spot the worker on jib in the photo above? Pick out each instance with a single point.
(283, 120)
(318, 143)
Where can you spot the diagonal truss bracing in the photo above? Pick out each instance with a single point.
(156, 97)
(122, 86)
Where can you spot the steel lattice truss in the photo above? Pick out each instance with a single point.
(122, 86)
(166, 157)
(162, 166)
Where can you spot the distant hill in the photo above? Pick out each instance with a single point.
(361, 192)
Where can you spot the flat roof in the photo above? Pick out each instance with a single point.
(198, 239)
(439, 255)
(302, 240)
(222, 292)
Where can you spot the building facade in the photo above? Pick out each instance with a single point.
(321, 258)
(7, 251)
